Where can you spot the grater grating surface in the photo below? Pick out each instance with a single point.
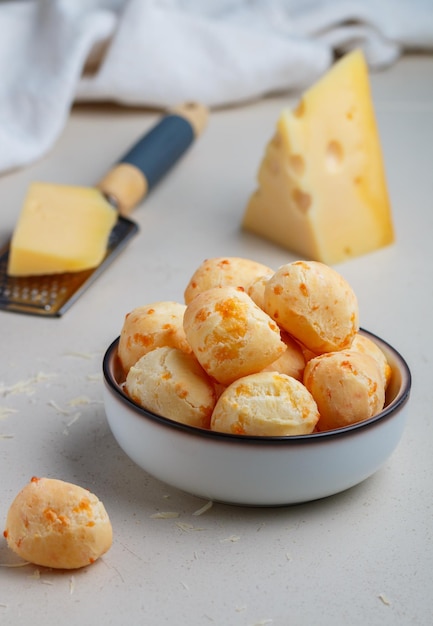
(52, 295)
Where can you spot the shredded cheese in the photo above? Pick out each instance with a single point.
(81, 355)
(188, 527)
(24, 386)
(94, 377)
(58, 408)
(165, 515)
(5, 411)
(204, 508)
(384, 599)
(74, 419)
(232, 539)
(79, 400)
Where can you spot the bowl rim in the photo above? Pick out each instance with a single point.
(387, 413)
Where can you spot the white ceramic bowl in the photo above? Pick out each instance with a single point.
(257, 471)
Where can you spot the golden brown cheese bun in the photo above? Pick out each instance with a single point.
(230, 335)
(57, 524)
(265, 404)
(347, 386)
(151, 326)
(222, 272)
(171, 383)
(313, 303)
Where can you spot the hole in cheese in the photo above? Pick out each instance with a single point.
(302, 200)
(297, 163)
(334, 156)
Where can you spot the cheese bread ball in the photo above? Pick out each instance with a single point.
(222, 272)
(291, 362)
(363, 344)
(265, 404)
(171, 383)
(230, 335)
(151, 326)
(313, 303)
(57, 524)
(347, 387)
(256, 289)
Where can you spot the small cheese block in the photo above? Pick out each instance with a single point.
(61, 229)
(322, 191)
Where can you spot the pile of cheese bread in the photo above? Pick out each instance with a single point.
(257, 352)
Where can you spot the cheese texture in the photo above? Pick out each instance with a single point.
(61, 229)
(322, 190)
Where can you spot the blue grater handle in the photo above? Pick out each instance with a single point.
(140, 169)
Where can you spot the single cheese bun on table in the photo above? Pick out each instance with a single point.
(223, 272)
(314, 304)
(57, 524)
(151, 326)
(171, 383)
(230, 335)
(265, 404)
(347, 386)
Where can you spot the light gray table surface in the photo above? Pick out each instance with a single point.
(364, 556)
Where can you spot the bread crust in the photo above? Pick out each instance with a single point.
(265, 404)
(151, 326)
(171, 383)
(58, 524)
(230, 335)
(347, 385)
(314, 304)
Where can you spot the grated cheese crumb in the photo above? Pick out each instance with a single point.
(75, 417)
(81, 355)
(94, 377)
(79, 400)
(232, 539)
(71, 585)
(204, 508)
(58, 408)
(36, 574)
(384, 599)
(24, 386)
(5, 411)
(165, 515)
(188, 527)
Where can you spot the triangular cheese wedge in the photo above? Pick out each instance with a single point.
(322, 190)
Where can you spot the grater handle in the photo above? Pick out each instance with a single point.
(148, 160)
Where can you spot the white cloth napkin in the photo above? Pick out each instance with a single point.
(161, 52)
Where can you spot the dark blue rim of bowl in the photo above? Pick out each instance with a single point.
(388, 412)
